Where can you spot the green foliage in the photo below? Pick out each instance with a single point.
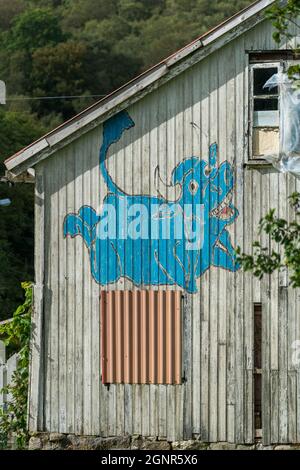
(171, 25)
(55, 71)
(294, 73)
(281, 16)
(77, 66)
(33, 29)
(77, 12)
(286, 237)
(16, 131)
(8, 11)
(16, 334)
(16, 229)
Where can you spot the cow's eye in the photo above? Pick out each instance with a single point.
(193, 186)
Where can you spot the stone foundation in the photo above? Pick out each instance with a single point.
(56, 441)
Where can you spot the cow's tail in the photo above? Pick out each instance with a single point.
(113, 129)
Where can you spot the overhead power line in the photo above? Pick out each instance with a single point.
(31, 98)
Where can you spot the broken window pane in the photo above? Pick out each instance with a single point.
(260, 77)
(265, 141)
(269, 104)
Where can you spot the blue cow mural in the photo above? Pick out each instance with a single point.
(160, 259)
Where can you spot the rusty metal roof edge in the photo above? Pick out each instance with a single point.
(131, 88)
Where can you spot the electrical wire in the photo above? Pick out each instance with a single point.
(31, 98)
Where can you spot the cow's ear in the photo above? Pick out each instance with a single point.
(168, 191)
(183, 168)
(178, 173)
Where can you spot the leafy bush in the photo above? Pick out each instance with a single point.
(287, 236)
(16, 335)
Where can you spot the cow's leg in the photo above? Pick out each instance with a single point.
(187, 262)
(225, 259)
(106, 265)
(175, 266)
(74, 225)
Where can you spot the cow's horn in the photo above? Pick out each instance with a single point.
(170, 192)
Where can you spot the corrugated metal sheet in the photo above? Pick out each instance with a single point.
(141, 337)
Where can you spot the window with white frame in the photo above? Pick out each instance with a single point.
(264, 111)
(273, 118)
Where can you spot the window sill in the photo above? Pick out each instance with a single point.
(258, 163)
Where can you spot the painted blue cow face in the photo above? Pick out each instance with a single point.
(188, 175)
(204, 183)
(162, 260)
(221, 187)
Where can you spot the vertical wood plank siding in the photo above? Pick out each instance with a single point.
(141, 337)
(215, 400)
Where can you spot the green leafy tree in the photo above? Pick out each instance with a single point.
(47, 3)
(287, 237)
(16, 131)
(16, 228)
(55, 71)
(282, 15)
(30, 30)
(173, 24)
(110, 31)
(8, 11)
(83, 67)
(33, 29)
(77, 12)
(16, 336)
(133, 10)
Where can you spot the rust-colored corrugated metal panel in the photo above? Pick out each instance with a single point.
(141, 337)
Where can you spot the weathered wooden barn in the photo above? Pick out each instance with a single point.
(142, 335)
